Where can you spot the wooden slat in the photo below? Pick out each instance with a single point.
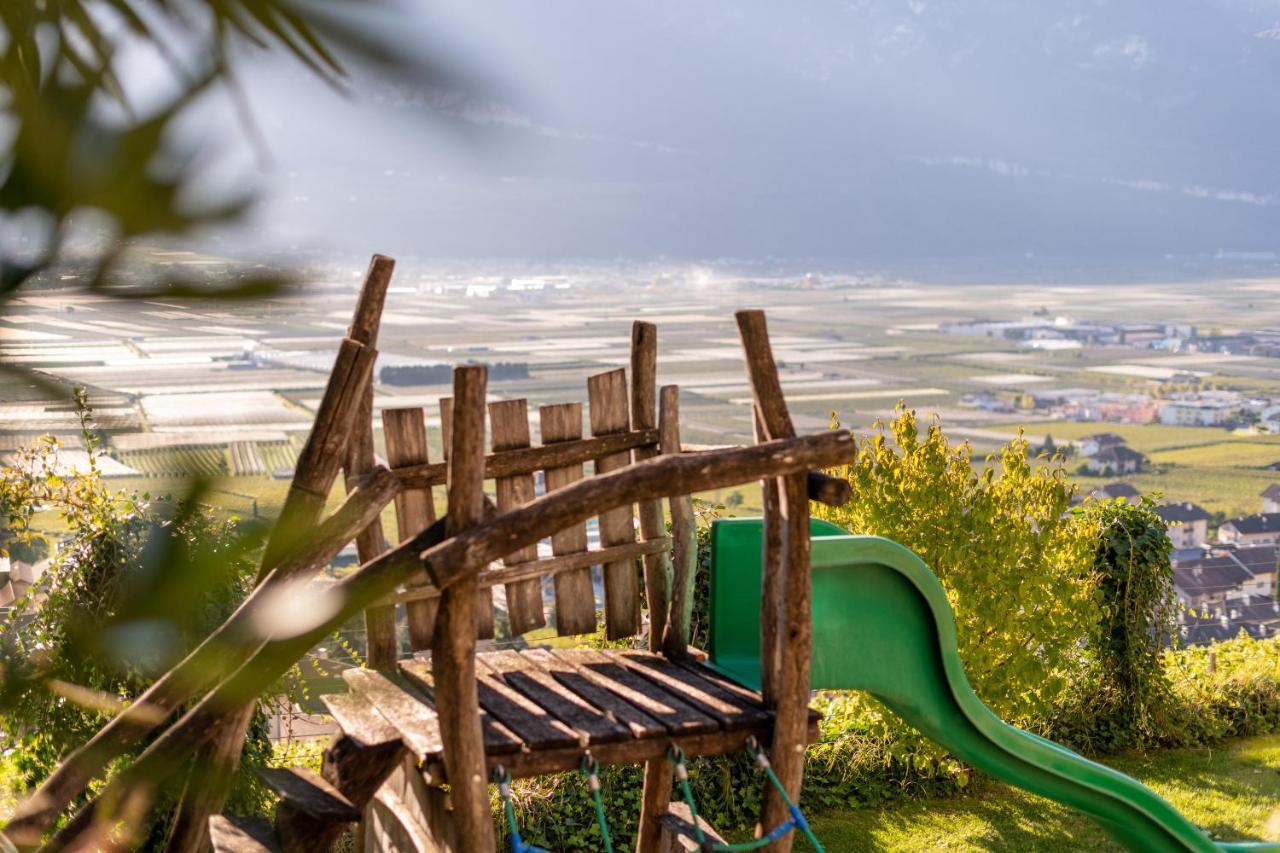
(532, 723)
(242, 835)
(412, 715)
(530, 460)
(357, 718)
(731, 711)
(575, 594)
(607, 395)
(309, 793)
(657, 567)
(405, 431)
(639, 723)
(484, 597)
(497, 737)
(678, 716)
(509, 425)
(546, 567)
(524, 675)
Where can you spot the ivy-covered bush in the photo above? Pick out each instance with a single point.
(1016, 565)
(134, 585)
(1122, 698)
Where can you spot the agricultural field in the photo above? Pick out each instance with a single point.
(228, 390)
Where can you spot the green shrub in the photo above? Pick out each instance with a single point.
(134, 586)
(1016, 566)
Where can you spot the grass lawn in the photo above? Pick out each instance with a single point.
(1232, 790)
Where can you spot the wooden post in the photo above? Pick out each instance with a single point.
(484, 597)
(644, 415)
(771, 572)
(454, 647)
(509, 420)
(575, 594)
(684, 536)
(607, 395)
(795, 630)
(405, 431)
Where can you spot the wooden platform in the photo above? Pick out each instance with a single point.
(541, 710)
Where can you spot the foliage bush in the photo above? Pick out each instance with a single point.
(1122, 698)
(1016, 565)
(135, 584)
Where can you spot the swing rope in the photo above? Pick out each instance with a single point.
(590, 769)
(795, 821)
(518, 844)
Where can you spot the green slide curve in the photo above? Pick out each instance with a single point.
(882, 623)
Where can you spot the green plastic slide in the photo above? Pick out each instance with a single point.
(881, 623)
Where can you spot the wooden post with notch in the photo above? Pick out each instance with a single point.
(795, 628)
(453, 650)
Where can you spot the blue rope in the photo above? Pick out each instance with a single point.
(795, 821)
(518, 844)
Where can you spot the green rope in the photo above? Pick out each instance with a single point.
(518, 844)
(795, 821)
(589, 770)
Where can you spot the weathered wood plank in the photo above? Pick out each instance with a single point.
(530, 460)
(607, 396)
(408, 711)
(497, 737)
(728, 709)
(532, 723)
(242, 835)
(405, 432)
(525, 676)
(359, 719)
(575, 595)
(382, 646)
(678, 716)
(509, 424)
(613, 706)
(311, 811)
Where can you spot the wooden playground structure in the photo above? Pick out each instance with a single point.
(443, 714)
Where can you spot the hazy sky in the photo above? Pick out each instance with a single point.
(863, 130)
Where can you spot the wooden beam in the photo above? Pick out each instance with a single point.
(381, 645)
(560, 454)
(453, 650)
(575, 593)
(667, 475)
(546, 567)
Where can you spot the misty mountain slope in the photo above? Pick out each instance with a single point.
(864, 130)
